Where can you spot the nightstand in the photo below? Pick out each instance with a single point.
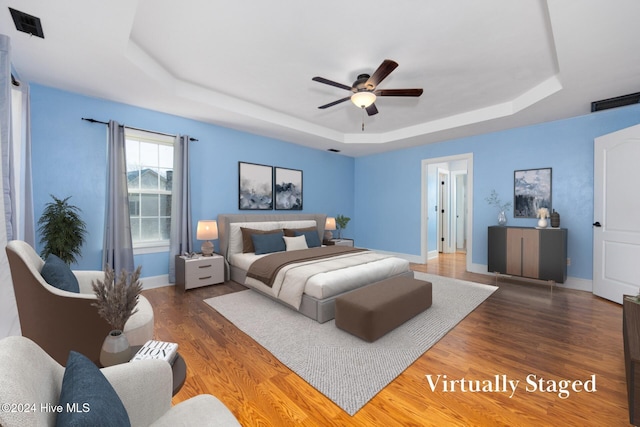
(199, 271)
(338, 242)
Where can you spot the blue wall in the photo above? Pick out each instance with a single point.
(69, 159)
(388, 186)
(381, 193)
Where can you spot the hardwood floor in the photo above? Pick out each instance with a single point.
(522, 330)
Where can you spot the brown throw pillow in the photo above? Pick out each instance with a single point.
(247, 242)
(291, 232)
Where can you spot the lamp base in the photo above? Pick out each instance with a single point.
(207, 248)
(328, 235)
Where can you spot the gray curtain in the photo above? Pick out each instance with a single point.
(22, 219)
(5, 130)
(181, 227)
(9, 324)
(118, 247)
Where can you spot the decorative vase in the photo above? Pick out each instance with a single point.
(115, 349)
(542, 223)
(502, 218)
(555, 219)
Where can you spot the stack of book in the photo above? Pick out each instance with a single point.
(152, 349)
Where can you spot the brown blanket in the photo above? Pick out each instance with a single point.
(266, 268)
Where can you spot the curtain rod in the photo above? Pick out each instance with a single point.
(131, 127)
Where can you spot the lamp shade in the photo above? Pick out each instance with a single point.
(330, 224)
(207, 230)
(363, 99)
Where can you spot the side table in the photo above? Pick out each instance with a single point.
(199, 271)
(338, 242)
(179, 369)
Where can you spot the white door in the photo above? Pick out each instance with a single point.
(616, 230)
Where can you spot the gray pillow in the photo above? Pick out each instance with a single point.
(57, 273)
(268, 243)
(87, 398)
(313, 241)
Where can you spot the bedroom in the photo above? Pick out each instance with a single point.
(381, 192)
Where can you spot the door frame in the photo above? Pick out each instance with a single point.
(424, 217)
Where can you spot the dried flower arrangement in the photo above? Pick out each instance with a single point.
(543, 213)
(116, 300)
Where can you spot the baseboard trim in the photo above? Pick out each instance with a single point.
(153, 282)
(417, 259)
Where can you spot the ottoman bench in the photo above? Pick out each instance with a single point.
(372, 311)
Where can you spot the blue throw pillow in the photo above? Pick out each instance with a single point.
(268, 243)
(87, 398)
(57, 273)
(313, 241)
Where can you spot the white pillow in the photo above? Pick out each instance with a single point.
(295, 243)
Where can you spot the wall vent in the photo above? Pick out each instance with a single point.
(619, 101)
(27, 23)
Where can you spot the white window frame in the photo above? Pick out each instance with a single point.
(154, 246)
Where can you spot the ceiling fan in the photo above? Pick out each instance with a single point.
(365, 89)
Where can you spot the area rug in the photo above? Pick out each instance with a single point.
(346, 369)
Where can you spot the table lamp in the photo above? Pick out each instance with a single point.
(329, 225)
(207, 230)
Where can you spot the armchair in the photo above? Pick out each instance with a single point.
(60, 321)
(32, 379)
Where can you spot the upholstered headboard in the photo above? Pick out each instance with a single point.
(225, 221)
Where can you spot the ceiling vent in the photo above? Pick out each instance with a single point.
(619, 101)
(333, 150)
(27, 23)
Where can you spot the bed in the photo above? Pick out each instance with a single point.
(309, 280)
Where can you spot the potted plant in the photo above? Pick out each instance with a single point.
(494, 200)
(341, 224)
(116, 302)
(62, 230)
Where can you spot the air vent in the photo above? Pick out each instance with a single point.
(27, 23)
(333, 150)
(619, 101)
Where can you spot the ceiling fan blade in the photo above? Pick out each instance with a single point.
(372, 110)
(331, 83)
(398, 92)
(381, 73)
(331, 104)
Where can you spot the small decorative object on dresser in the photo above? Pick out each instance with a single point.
(555, 219)
(494, 200)
(543, 214)
(116, 301)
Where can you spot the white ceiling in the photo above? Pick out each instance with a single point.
(484, 65)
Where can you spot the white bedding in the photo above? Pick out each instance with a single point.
(324, 278)
(318, 278)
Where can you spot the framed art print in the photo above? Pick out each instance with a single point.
(532, 191)
(288, 189)
(255, 186)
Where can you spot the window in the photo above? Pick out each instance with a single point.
(149, 180)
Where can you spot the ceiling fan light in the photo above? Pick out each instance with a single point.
(363, 99)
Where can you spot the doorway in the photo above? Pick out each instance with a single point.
(455, 224)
